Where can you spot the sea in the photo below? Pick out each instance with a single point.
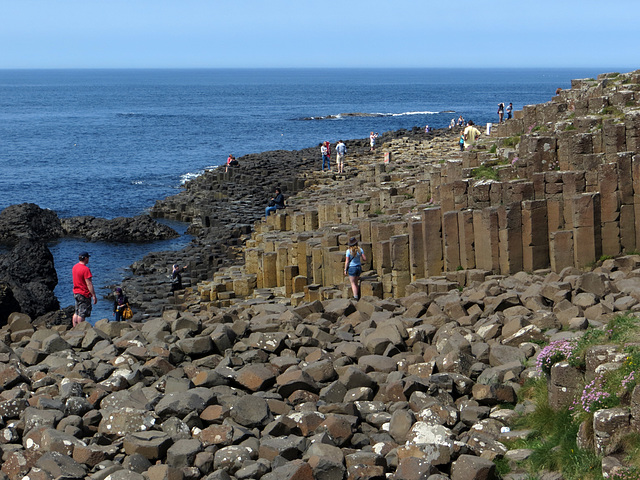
(109, 143)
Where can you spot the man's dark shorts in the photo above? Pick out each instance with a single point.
(83, 305)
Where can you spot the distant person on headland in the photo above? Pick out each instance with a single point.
(509, 110)
(460, 121)
(176, 277)
(471, 133)
(372, 141)
(558, 90)
(324, 151)
(276, 203)
(341, 151)
(119, 304)
(82, 289)
(452, 124)
(501, 112)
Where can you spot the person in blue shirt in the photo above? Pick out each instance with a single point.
(353, 266)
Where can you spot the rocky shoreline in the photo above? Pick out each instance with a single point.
(265, 368)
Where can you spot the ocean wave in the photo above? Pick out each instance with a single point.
(370, 115)
(184, 178)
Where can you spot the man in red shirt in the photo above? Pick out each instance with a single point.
(82, 289)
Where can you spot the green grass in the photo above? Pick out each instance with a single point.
(553, 439)
(511, 141)
(493, 149)
(553, 433)
(610, 110)
(485, 173)
(378, 212)
(569, 128)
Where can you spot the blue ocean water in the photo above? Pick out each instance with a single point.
(109, 143)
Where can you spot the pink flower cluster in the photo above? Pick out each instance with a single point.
(594, 396)
(554, 353)
(628, 380)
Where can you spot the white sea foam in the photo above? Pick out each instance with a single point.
(189, 176)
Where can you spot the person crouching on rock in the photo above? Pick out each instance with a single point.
(353, 266)
(176, 277)
(119, 304)
(276, 203)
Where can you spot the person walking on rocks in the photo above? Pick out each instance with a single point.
(276, 203)
(501, 112)
(471, 133)
(83, 289)
(119, 304)
(509, 110)
(176, 277)
(353, 266)
(461, 141)
(324, 151)
(341, 151)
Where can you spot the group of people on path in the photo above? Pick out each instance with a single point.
(325, 152)
(85, 297)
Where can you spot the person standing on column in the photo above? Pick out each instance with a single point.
(324, 151)
(471, 133)
(82, 289)
(341, 151)
(509, 110)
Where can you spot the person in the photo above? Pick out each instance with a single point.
(452, 124)
(471, 133)
(461, 141)
(231, 162)
(501, 112)
(460, 121)
(176, 277)
(324, 151)
(83, 289)
(119, 304)
(426, 129)
(276, 203)
(353, 265)
(509, 110)
(372, 141)
(341, 151)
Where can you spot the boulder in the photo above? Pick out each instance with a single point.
(28, 221)
(121, 229)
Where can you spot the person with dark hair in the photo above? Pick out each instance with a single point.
(83, 289)
(119, 304)
(353, 265)
(509, 110)
(501, 112)
(176, 277)
(276, 203)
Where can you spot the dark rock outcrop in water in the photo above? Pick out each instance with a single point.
(121, 229)
(28, 277)
(28, 220)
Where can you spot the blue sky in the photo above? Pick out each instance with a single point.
(303, 33)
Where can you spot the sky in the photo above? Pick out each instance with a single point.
(327, 34)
